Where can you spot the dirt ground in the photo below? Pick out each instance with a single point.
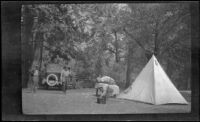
(83, 101)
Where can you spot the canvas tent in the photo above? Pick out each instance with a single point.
(153, 86)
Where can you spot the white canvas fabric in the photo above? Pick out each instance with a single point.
(112, 89)
(106, 79)
(115, 90)
(153, 86)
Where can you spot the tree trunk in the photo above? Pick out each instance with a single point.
(26, 47)
(116, 48)
(98, 66)
(156, 44)
(37, 55)
(36, 61)
(128, 70)
(186, 76)
(188, 84)
(41, 52)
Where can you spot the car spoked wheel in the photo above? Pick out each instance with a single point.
(52, 80)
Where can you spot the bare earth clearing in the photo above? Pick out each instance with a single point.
(83, 101)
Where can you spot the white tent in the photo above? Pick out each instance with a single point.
(153, 86)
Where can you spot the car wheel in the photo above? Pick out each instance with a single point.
(52, 82)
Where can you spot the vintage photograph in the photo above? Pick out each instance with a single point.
(106, 58)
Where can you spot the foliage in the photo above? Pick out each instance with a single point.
(112, 39)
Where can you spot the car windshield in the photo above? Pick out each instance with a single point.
(54, 68)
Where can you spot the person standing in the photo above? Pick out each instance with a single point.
(43, 74)
(69, 78)
(65, 77)
(35, 78)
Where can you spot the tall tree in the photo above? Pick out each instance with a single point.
(159, 28)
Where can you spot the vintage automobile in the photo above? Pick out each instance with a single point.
(52, 78)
